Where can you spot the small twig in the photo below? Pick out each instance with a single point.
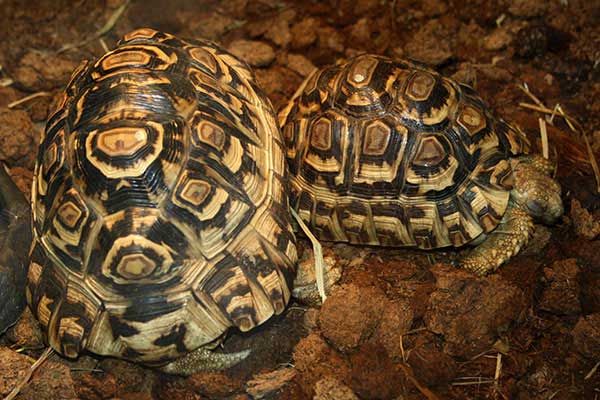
(497, 374)
(544, 135)
(87, 370)
(593, 162)
(27, 98)
(416, 330)
(553, 395)
(317, 254)
(100, 32)
(403, 354)
(14, 393)
(526, 90)
(477, 382)
(500, 20)
(424, 391)
(6, 82)
(103, 44)
(592, 371)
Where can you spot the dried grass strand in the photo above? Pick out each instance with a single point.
(28, 98)
(112, 21)
(21, 384)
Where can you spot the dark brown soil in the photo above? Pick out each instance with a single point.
(401, 324)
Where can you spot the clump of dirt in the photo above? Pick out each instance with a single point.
(400, 324)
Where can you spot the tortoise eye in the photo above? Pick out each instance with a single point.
(536, 207)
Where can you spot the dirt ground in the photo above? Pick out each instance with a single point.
(400, 324)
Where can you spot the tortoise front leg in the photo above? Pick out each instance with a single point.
(502, 243)
(535, 195)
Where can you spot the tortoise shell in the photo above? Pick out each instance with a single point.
(385, 152)
(159, 204)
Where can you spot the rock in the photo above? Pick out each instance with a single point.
(9, 94)
(26, 332)
(255, 53)
(22, 177)
(497, 40)
(236, 8)
(300, 64)
(130, 377)
(311, 319)
(539, 240)
(374, 375)
(396, 320)
(304, 33)
(213, 384)
(330, 38)
(584, 223)
(269, 383)
(210, 26)
(279, 83)
(562, 291)
(351, 314)
(528, 8)
(492, 304)
(279, 28)
(431, 366)
(52, 379)
(314, 360)
(38, 71)
(586, 336)
(17, 137)
(332, 389)
(433, 8)
(96, 385)
(430, 44)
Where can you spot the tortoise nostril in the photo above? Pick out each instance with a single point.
(536, 207)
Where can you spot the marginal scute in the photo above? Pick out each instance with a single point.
(126, 58)
(49, 158)
(204, 58)
(142, 33)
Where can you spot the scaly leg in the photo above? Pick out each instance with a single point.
(204, 359)
(502, 243)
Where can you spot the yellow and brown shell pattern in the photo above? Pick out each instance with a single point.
(385, 152)
(159, 203)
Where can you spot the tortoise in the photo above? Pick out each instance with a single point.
(388, 152)
(159, 207)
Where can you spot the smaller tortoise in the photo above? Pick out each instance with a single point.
(391, 153)
(160, 208)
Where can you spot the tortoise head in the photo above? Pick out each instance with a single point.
(535, 190)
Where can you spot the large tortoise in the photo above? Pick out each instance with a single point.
(160, 209)
(391, 153)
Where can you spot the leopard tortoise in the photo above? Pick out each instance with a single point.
(160, 209)
(385, 152)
